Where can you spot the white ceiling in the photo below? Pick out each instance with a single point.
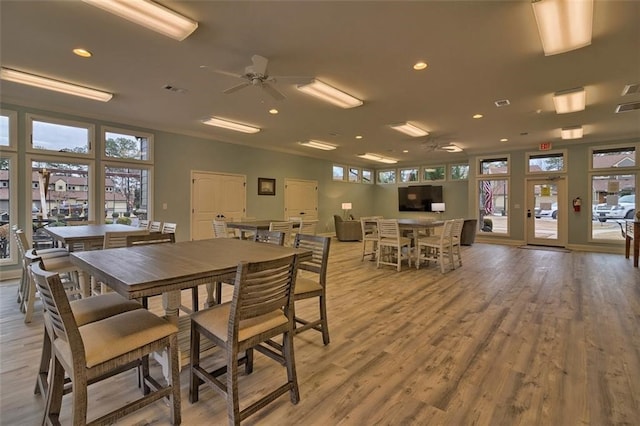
(478, 52)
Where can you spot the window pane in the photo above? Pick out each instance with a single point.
(387, 176)
(4, 130)
(613, 200)
(131, 147)
(60, 137)
(615, 157)
(493, 199)
(5, 209)
(433, 173)
(408, 175)
(126, 194)
(367, 176)
(460, 172)
(354, 175)
(494, 166)
(546, 163)
(338, 173)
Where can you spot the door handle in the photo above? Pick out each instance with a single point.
(529, 214)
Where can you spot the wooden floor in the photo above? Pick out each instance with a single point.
(514, 337)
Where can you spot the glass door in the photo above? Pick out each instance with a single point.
(546, 212)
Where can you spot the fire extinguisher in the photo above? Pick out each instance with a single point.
(576, 204)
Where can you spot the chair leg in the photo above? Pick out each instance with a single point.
(54, 395)
(174, 380)
(233, 405)
(323, 319)
(290, 362)
(194, 381)
(42, 384)
(30, 301)
(194, 299)
(79, 395)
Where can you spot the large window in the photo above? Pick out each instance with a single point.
(493, 196)
(60, 136)
(494, 166)
(8, 130)
(124, 145)
(547, 162)
(127, 194)
(8, 185)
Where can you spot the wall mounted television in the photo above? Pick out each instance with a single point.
(419, 198)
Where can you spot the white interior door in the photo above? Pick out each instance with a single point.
(301, 198)
(214, 195)
(547, 212)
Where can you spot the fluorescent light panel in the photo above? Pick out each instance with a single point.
(151, 15)
(55, 85)
(379, 158)
(451, 148)
(564, 25)
(318, 145)
(409, 129)
(226, 124)
(571, 100)
(573, 132)
(330, 94)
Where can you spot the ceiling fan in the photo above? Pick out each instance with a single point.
(256, 74)
(432, 144)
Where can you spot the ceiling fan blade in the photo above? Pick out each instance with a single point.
(275, 94)
(235, 88)
(259, 64)
(230, 74)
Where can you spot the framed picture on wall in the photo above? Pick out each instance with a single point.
(266, 186)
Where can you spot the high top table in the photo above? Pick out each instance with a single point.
(91, 236)
(255, 225)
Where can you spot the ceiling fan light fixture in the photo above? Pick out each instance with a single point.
(329, 94)
(150, 15)
(378, 158)
(410, 129)
(570, 100)
(564, 25)
(573, 132)
(318, 145)
(451, 148)
(55, 85)
(231, 125)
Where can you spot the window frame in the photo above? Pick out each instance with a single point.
(13, 130)
(103, 143)
(116, 164)
(344, 172)
(91, 134)
(563, 153)
(593, 149)
(358, 176)
(399, 178)
(395, 176)
(450, 172)
(12, 157)
(423, 170)
(481, 160)
(371, 176)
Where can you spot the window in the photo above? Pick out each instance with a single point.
(613, 199)
(8, 206)
(432, 173)
(127, 192)
(494, 166)
(459, 172)
(493, 201)
(607, 158)
(386, 176)
(545, 163)
(123, 145)
(338, 172)
(8, 129)
(409, 175)
(60, 136)
(367, 176)
(354, 174)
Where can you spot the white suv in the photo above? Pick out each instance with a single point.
(625, 209)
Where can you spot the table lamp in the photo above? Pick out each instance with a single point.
(437, 207)
(346, 207)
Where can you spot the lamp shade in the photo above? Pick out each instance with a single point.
(346, 206)
(437, 207)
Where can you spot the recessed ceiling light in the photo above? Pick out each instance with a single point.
(563, 25)
(571, 100)
(84, 53)
(359, 137)
(418, 66)
(273, 111)
(478, 116)
(504, 140)
(573, 132)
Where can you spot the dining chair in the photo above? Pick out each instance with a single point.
(143, 223)
(369, 226)
(456, 242)
(307, 227)
(285, 227)
(92, 352)
(436, 248)
(169, 228)
(220, 229)
(261, 308)
(271, 237)
(155, 226)
(391, 245)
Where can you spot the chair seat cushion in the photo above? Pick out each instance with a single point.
(216, 320)
(97, 308)
(306, 285)
(117, 335)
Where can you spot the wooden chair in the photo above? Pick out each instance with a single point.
(143, 223)
(94, 351)
(261, 308)
(285, 227)
(456, 241)
(271, 237)
(155, 226)
(308, 227)
(391, 244)
(220, 229)
(369, 226)
(169, 228)
(436, 248)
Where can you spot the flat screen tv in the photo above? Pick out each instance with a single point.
(418, 198)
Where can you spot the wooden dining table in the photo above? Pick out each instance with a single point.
(91, 236)
(252, 226)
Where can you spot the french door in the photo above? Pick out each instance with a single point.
(547, 212)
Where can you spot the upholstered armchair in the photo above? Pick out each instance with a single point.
(347, 230)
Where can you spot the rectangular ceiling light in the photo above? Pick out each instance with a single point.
(225, 124)
(151, 15)
(378, 158)
(330, 94)
(55, 85)
(409, 129)
(571, 100)
(318, 145)
(564, 25)
(573, 132)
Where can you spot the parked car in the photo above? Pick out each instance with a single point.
(625, 209)
(552, 213)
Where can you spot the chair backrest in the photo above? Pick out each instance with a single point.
(220, 229)
(308, 227)
(319, 247)
(388, 228)
(155, 226)
(155, 238)
(119, 239)
(262, 288)
(21, 241)
(143, 223)
(456, 230)
(369, 227)
(445, 235)
(286, 227)
(271, 237)
(169, 228)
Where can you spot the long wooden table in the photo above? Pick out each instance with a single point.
(255, 225)
(90, 235)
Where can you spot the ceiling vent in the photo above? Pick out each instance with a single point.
(502, 103)
(627, 107)
(631, 89)
(174, 89)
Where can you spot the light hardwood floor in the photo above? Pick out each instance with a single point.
(515, 336)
